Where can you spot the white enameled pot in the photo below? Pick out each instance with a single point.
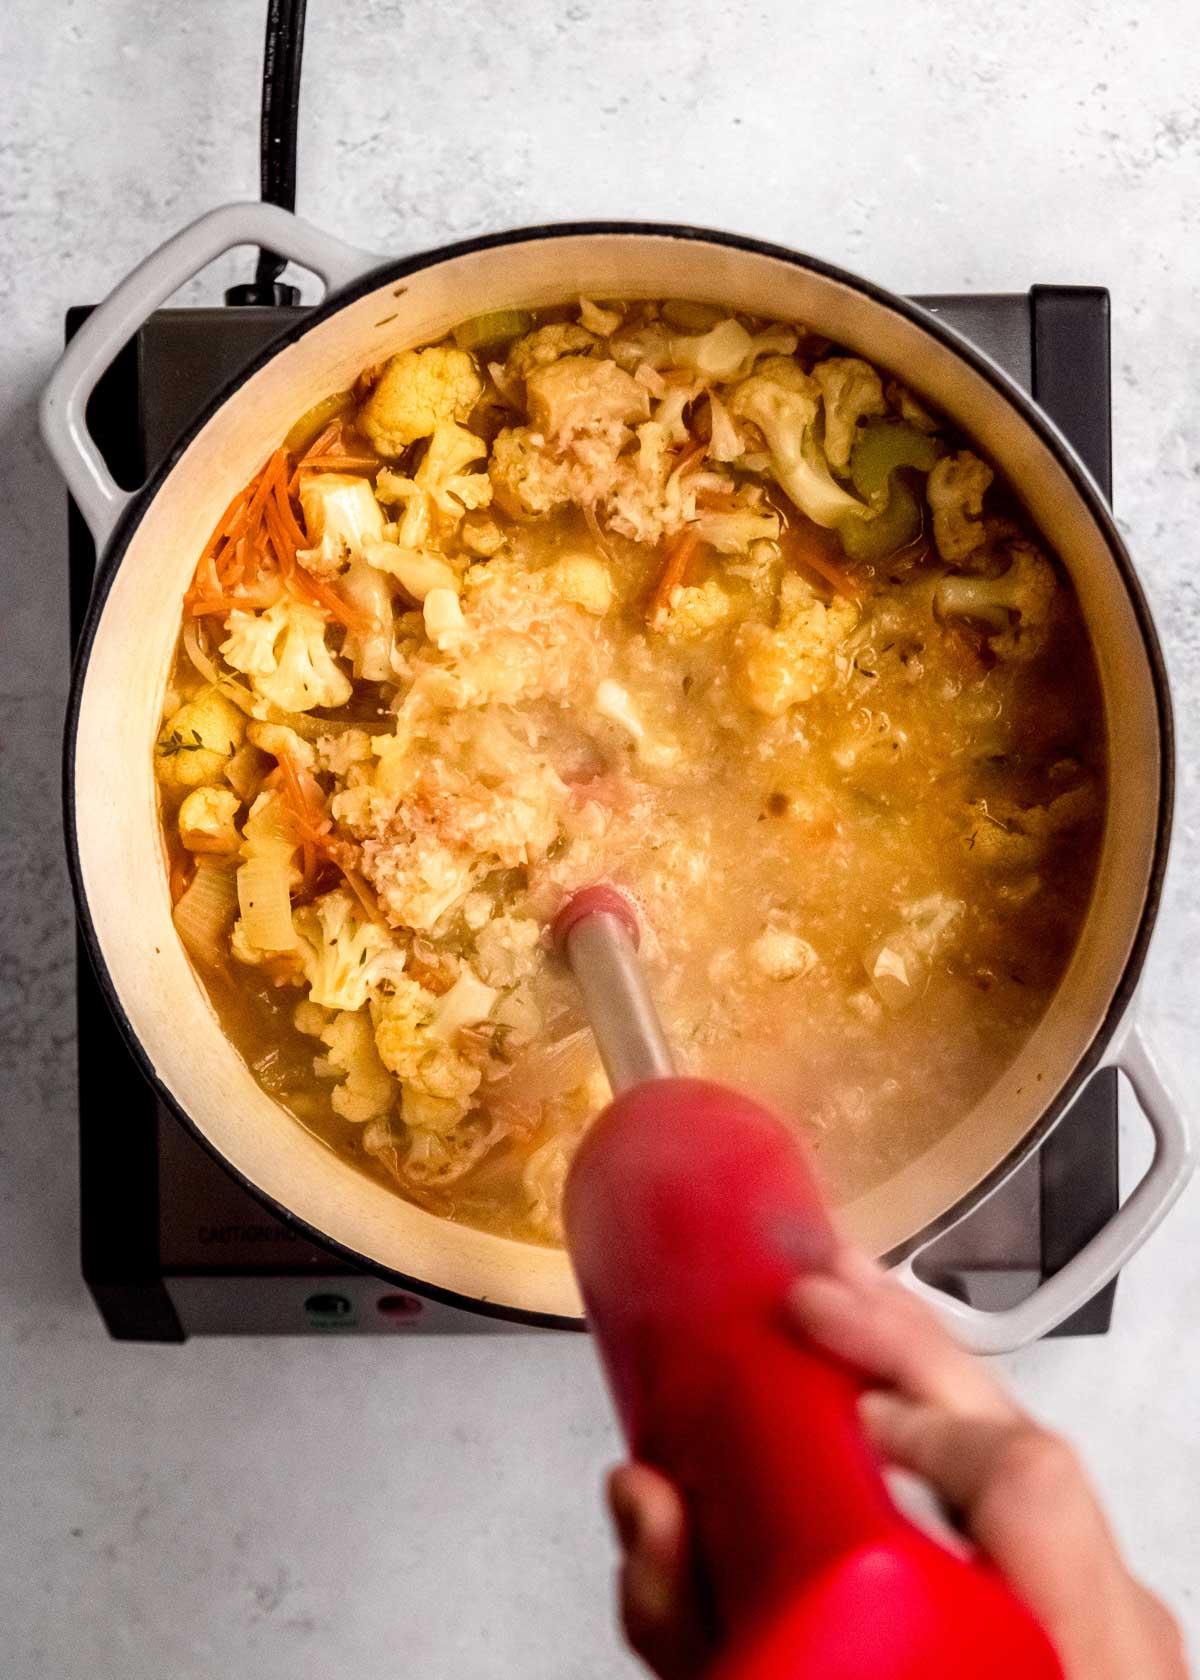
(149, 541)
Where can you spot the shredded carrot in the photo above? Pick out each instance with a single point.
(319, 846)
(675, 569)
(305, 808)
(330, 451)
(327, 441)
(340, 463)
(203, 606)
(838, 580)
(809, 548)
(358, 886)
(257, 540)
(304, 800)
(688, 460)
(969, 651)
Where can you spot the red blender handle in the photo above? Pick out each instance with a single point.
(689, 1212)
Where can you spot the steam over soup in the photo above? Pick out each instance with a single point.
(692, 603)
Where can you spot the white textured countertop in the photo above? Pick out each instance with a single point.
(315, 1509)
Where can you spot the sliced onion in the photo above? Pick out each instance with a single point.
(196, 653)
(205, 912)
(550, 1070)
(264, 895)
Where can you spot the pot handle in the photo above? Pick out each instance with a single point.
(113, 322)
(1101, 1259)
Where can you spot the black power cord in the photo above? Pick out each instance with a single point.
(283, 54)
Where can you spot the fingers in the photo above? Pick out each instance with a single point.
(875, 1324)
(660, 1609)
(1003, 1475)
(1024, 1499)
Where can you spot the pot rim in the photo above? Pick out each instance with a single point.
(108, 563)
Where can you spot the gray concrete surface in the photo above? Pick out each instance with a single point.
(317, 1510)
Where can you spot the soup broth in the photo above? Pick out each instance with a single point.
(649, 594)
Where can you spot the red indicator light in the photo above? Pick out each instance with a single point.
(401, 1309)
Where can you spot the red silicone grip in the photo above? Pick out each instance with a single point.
(689, 1210)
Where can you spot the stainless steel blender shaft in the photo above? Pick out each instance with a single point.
(629, 1036)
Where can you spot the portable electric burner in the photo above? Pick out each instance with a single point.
(173, 1246)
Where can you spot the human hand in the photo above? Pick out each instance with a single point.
(1016, 1490)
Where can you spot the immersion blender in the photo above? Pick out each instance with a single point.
(689, 1210)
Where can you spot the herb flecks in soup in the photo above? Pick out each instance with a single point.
(649, 594)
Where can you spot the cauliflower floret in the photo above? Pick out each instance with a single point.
(345, 956)
(599, 320)
(440, 1094)
(899, 966)
(584, 581)
(760, 568)
(283, 652)
(788, 665)
(727, 350)
(401, 1020)
(443, 472)
(437, 1083)
(694, 610)
(648, 493)
(418, 881)
(341, 516)
(735, 531)
(339, 753)
(543, 1180)
(206, 820)
(508, 950)
(908, 408)
(781, 955)
(439, 1157)
(784, 403)
(577, 397)
(1005, 836)
(851, 391)
(543, 346)
(417, 570)
(418, 390)
(197, 741)
(441, 490)
(720, 353)
(310, 1019)
(1014, 608)
(725, 442)
(369, 641)
(955, 490)
(444, 622)
(366, 1091)
(527, 480)
(615, 703)
(480, 535)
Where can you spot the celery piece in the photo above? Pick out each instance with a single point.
(485, 332)
(897, 525)
(882, 447)
(314, 420)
